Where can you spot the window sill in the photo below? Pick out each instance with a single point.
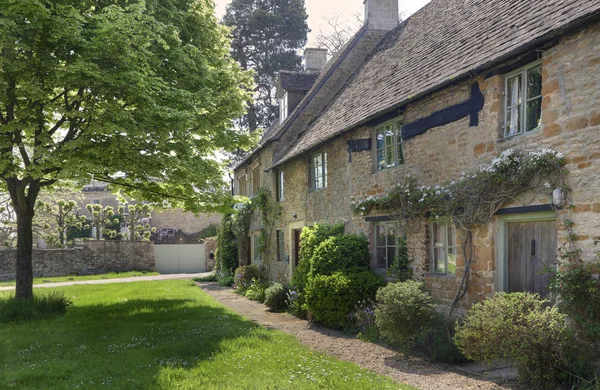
(537, 130)
(442, 276)
(390, 169)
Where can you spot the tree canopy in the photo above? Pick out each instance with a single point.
(137, 93)
(266, 37)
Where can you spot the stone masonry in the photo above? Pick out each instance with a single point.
(94, 257)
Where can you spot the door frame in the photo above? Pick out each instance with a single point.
(291, 227)
(501, 274)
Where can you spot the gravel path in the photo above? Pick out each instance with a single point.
(116, 280)
(406, 369)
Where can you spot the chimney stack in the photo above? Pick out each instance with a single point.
(381, 14)
(314, 59)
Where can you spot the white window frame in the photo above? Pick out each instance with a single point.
(283, 108)
(397, 144)
(318, 182)
(281, 186)
(445, 247)
(522, 104)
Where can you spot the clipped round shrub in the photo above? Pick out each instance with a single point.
(404, 311)
(521, 327)
(331, 298)
(310, 238)
(276, 297)
(340, 253)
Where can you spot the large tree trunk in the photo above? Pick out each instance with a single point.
(24, 254)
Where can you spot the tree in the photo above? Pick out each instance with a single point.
(62, 215)
(140, 94)
(137, 217)
(266, 36)
(340, 31)
(101, 220)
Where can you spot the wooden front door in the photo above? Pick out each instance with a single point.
(532, 248)
(297, 247)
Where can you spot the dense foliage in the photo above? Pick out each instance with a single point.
(403, 312)
(226, 254)
(340, 253)
(276, 296)
(521, 327)
(330, 299)
(245, 277)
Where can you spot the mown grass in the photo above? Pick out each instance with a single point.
(163, 335)
(72, 278)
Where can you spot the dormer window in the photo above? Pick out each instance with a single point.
(283, 107)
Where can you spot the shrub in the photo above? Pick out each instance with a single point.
(404, 311)
(340, 253)
(256, 291)
(331, 298)
(363, 319)
(226, 254)
(296, 304)
(226, 281)
(311, 237)
(275, 297)
(211, 230)
(244, 277)
(436, 343)
(519, 326)
(40, 306)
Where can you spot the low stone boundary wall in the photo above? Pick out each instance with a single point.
(94, 257)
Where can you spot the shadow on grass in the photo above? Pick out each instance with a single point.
(124, 345)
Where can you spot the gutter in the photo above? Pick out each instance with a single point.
(531, 45)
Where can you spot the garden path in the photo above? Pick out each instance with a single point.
(408, 369)
(116, 280)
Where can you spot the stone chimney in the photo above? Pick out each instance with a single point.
(314, 59)
(381, 14)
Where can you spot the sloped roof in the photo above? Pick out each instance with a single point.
(297, 81)
(444, 41)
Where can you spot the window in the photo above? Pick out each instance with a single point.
(443, 248)
(256, 248)
(389, 244)
(242, 186)
(318, 171)
(523, 100)
(280, 186)
(280, 246)
(96, 201)
(283, 108)
(390, 148)
(255, 180)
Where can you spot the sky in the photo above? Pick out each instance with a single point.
(321, 10)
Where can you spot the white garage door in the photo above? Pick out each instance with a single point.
(180, 259)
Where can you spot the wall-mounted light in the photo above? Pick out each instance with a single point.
(558, 197)
(295, 216)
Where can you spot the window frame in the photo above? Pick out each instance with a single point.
(397, 143)
(312, 170)
(283, 108)
(243, 185)
(255, 180)
(280, 185)
(446, 247)
(523, 72)
(397, 232)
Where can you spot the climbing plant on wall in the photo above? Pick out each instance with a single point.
(474, 198)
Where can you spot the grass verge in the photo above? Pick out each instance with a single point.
(163, 335)
(42, 305)
(72, 278)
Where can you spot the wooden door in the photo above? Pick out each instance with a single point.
(532, 249)
(297, 247)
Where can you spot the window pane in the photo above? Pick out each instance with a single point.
(381, 159)
(380, 138)
(513, 121)
(391, 254)
(324, 169)
(451, 261)
(439, 263)
(534, 113)
(534, 82)
(451, 236)
(391, 235)
(389, 156)
(381, 257)
(380, 233)
(513, 93)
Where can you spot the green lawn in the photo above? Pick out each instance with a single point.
(163, 335)
(71, 278)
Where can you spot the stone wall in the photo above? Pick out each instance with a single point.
(94, 257)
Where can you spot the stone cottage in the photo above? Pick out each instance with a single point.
(438, 96)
